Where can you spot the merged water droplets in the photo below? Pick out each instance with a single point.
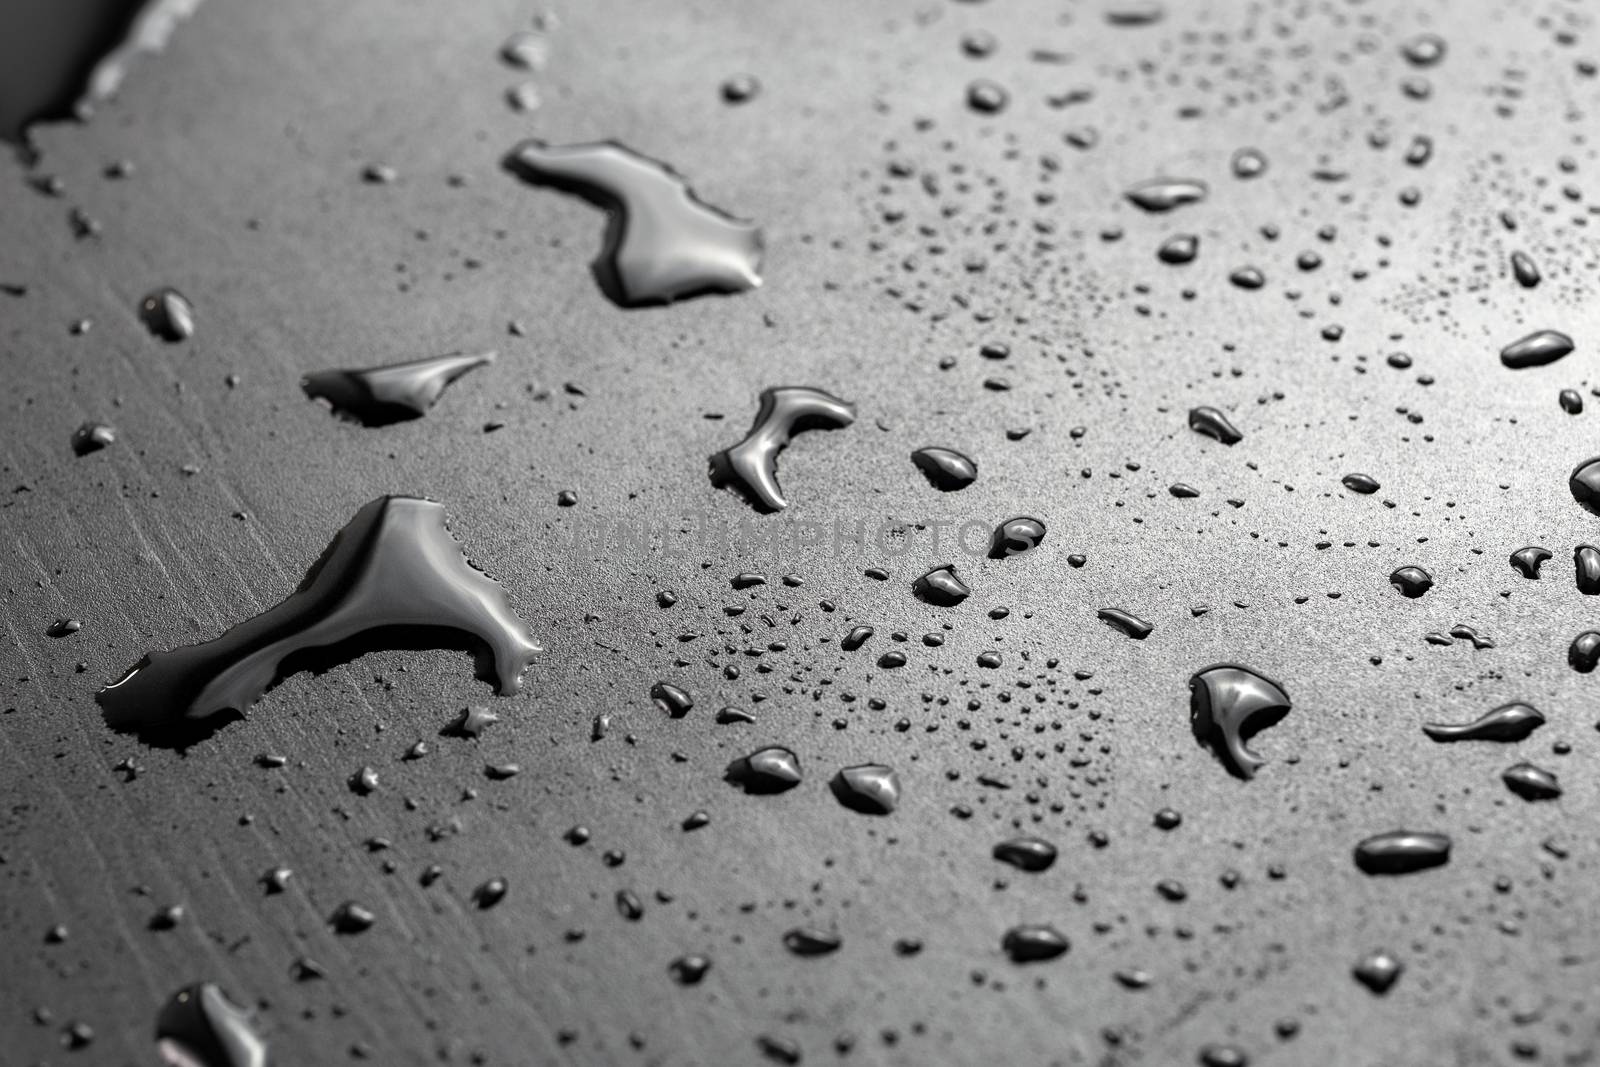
(1526, 561)
(663, 243)
(1508, 722)
(393, 574)
(379, 396)
(168, 314)
(201, 1027)
(1228, 704)
(751, 466)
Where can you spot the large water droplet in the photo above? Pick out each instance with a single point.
(1030, 943)
(663, 243)
(1412, 582)
(392, 575)
(1228, 704)
(1526, 561)
(1015, 536)
(767, 770)
(1584, 482)
(1026, 853)
(1531, 783)
(1536, 349)
(941, 586)
(750, 467)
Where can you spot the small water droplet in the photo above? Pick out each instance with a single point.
(947, 470)
(870, 788)
(1164, 194)
(1015, 536)
(1032, 854)
(1126, 622)
(168, 314)
(1030, 943)
(1214, 424)
(1360, 483)
(1378, 971)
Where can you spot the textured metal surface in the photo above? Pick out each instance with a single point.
(249, 138)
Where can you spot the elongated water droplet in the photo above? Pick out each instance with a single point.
(1531, 783)
(662, 243)
(1126, 622)
(1360, 483)
(856, 638)
(1214, 423)
(379, 396)
(1536, 349)
(750, 467)
(1229, 703)
(1524, 270)
(1164, 194)
(1402, 852)
(1030, 943)
(201, 1027)
(947, 469)
(1032, 854)
(810, 941)
(1508, 722)
(392, 573)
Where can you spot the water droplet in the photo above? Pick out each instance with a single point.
(809, 941)
(201, 1027)
(92, 437)
(1248, 278)
(1531, 783)
(1179, 249)
(1015, 536)
(1227, 704)
(987, 97)
(1423, 50)
(688, 970)
(1026, 853)
(1508, 722)
(526, 50)
(1536, 349)
(1135, 12)
(63, 628)
(1526, 561)
(1412, 582)
(1164, 194)
(380, 396)
(1584, 652)
(750, 467)
(351, 918)
(1524, 269)
(941, 586)
(947, 469)
(768, 770)
(392, 572)
(470, 722)
(1183, 491)
(1402, 852)
(663, 243)
(1249, 163)
(856, 638)
(1215, 424)
(1571, 401)
(1360, 483)
(1378, 971)
(168, 314)
(1126, 622)
(1030, 943)
(871, 788)
(490, 893)
(670, 699)
(1584, 482)
(740, 88)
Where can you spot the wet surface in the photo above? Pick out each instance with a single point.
(387, 862)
